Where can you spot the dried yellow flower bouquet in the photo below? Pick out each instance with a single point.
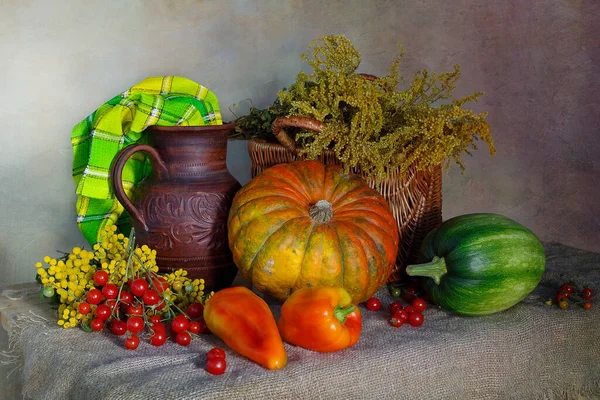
(371, 123)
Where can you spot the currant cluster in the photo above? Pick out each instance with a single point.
(399, 314)
(568, 293)
(117, 285)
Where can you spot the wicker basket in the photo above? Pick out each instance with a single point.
(414, 197)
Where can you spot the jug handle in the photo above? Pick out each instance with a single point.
(116, 172)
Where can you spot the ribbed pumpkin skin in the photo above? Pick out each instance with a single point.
(280, 248)
(493, 263)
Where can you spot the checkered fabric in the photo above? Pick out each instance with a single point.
(160, 100)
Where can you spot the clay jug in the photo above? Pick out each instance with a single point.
(181, 209)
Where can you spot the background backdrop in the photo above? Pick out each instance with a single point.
(537, 62)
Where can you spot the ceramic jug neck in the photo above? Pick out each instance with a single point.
(190, 152)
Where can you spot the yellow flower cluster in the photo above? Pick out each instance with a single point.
(69, 279)
(183, 291)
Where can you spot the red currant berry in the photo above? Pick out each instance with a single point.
(416, 318)
(135, 324)
(138, 286)
(195, 310)
(587, 293)
(132, 342)
(102, 312)
(150, 297)
(94, 296)
(411, 309)
(118, 327)
(410, 293)
(97, 324)
(373, 304)
(395, 306)
(216, 366)
(100, 277)
(183, 338)
(194, 327)
(180, 324)
(402, 315)
(159, 337)
(215, 352)
(419, 304)
(395, 321)
(84, 308)
(110, 291)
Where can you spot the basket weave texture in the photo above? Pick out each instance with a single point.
(414, 197)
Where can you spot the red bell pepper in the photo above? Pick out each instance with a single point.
(320, 319)
(245, 323)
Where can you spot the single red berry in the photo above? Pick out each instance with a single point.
(396, 321)
(411, 309)
(134, 309)
(373, 304)
(84, 308)
(195, 310)
(561, 296)
(180, 324)
(155, 318)
(215, 352)
(567, 287)
(419, 304)
(410, 293)
(110, 291)
(587, 293)
(216, 366)
(150, 297)
(138, 286)
(160, 284)
(416, 318)
(135, 324)
(94, 296)
(587, 305)
(132, 342)
(395, 306)
(159, 337)
(97, 324)
(100, 277)
(125, 297)
(194, 327)
(401, 315)
(183, 338)
(118, 327)
(102, 312)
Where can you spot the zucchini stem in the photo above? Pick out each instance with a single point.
(434, 269)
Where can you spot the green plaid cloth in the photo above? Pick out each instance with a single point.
(161, 100)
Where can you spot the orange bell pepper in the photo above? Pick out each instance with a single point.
(245, 323)
(320, 319)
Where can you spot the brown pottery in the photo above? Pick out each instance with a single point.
(181, 209)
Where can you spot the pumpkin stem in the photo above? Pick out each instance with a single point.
(321, 211)
(341, 313)
(434, 269)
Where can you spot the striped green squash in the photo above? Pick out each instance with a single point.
(480, 264)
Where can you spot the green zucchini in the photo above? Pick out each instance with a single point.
(480, 264)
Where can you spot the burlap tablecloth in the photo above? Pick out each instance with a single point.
(532, 351)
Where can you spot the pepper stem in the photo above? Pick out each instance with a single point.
(434, 269)
(342, 313)
(321, 211)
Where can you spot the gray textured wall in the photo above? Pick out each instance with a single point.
(537, 62)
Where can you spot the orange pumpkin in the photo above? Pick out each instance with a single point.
(305, 224)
